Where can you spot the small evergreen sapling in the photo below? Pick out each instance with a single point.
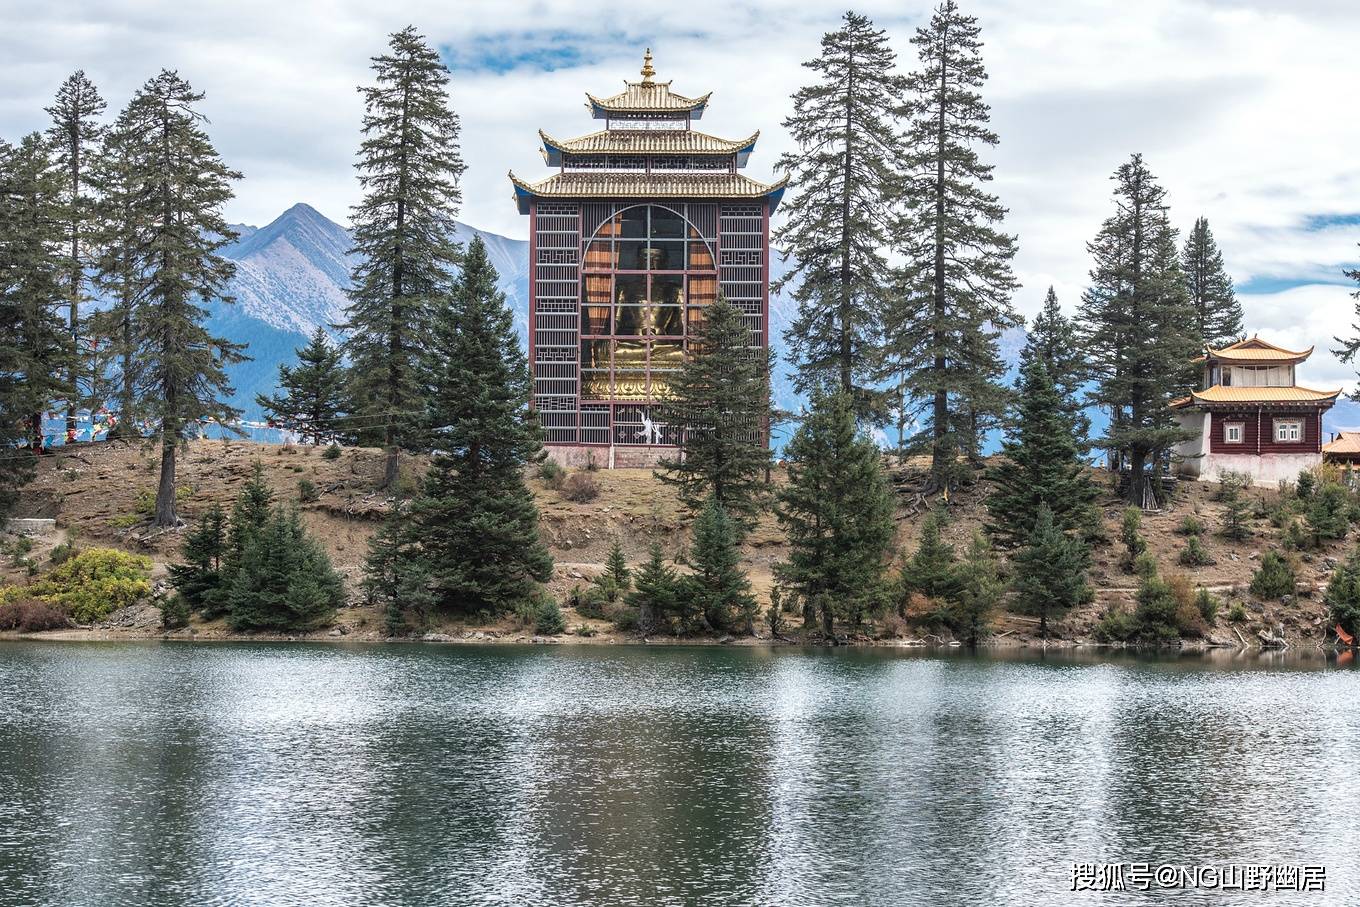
(284, 580)
(718, 592)
(616, 568)
(1050, 572)
(1343, 595)
(655, 592)
(1275, 578)
(930, 572)
(979, 590)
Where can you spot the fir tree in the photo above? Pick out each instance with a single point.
(930, 571)
(313, 393)
(396, 577)
(284, 580)
(123, 229)
(1139, 328)
(1343, 595)
(838, 224)
(941, 329)
(36, 355)
(1218, 314)
(719, 401)
(404, 251)
(837, 510)
(654, 593)
(200, 574)
(1053, 338)
(718, 589)
(1347, 349)
(616, 567)
(75, 136)
(475, 517)
(1050, 572)
(979, 590)
(1042, 466)
(182, 185)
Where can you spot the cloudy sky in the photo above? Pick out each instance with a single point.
(1244, 108)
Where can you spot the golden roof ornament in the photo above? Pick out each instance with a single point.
(647, 70)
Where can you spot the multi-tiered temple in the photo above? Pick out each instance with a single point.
(644, 223)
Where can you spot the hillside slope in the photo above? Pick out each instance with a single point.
(97, 490)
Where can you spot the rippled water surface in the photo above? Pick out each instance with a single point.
(179, 774)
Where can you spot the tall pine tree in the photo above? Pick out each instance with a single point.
(313, 398)
(1347, 349)
(1138, 325)
(409, 167)
(719, 401)
(941, 330)
(76, 135)
(837, 510)
(181, 186)
(1053, 338)
(30, 240)
(1218, 314)
(475, 519)
(1042, 466)
(123, 229)
(838, 224)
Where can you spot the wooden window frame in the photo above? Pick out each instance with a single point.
(1277, 424)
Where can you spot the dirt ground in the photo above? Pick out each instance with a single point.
(100, 494)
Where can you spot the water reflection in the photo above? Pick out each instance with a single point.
(166, 774)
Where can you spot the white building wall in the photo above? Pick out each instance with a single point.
(1266, 470)
(1188, 456)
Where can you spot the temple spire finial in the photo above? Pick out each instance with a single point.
(647, 70)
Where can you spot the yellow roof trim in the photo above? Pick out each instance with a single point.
(1254, 349)
(1220, 394)
(612, 141)
(607, 184)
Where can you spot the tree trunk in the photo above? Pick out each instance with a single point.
(847, 373)
(940, 414)
(809, 613)
(828, 618)
(165, 493)
(390, 468)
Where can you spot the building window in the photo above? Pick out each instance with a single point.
(1233, 432)
(1289, 430)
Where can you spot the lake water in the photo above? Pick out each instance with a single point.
(200, 774)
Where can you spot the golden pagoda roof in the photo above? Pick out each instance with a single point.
(606, 184)
(670, 141)
(1345, 442)
(648, 97)
(1257, 350)
(1219, 394)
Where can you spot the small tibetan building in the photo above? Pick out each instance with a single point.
(641, 226)
(1251, 416)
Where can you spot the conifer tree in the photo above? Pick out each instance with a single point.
(200, 574)
(182, 186)
(395, 575)
(313, 395)
(718, 590)
(1042, 466)
(941, 329)
(1138, 325)
(404, 250)
(979, 590)
(1347, 349)
(475, 519)
(837, 225)
(1053, 338)
(123, 228)
(1050, 572)
(1218, 314)
(284, 580)
(654, 592)
(248, 517)
(37, 356)
(719, 401)
(930, 571)
(616, 567)
(837, 511)
(75, 136)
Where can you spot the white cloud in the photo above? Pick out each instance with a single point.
(1241, 106)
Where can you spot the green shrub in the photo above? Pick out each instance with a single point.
(1328, 513)
(1343, 595)
(174, 611)
(1191, 525)
(1294, 537)
(549, 620)
(624, 618)
(94, 582)
(1307, 481)
(307, 491)
(1207, 605)
(585, 631)
(1134, 543)
(146, 502)
(63, 553)
(125, 520)
(1231, 485)
(1194, 553)
(552, 474)
(1237, 613)
(332, 452)
(1115, 625)
(1275, 578)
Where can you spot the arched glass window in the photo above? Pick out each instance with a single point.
(648, 273)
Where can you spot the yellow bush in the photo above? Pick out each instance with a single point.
(95, 582)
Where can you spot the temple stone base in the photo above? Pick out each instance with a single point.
(1266, 470)
(617, 457)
